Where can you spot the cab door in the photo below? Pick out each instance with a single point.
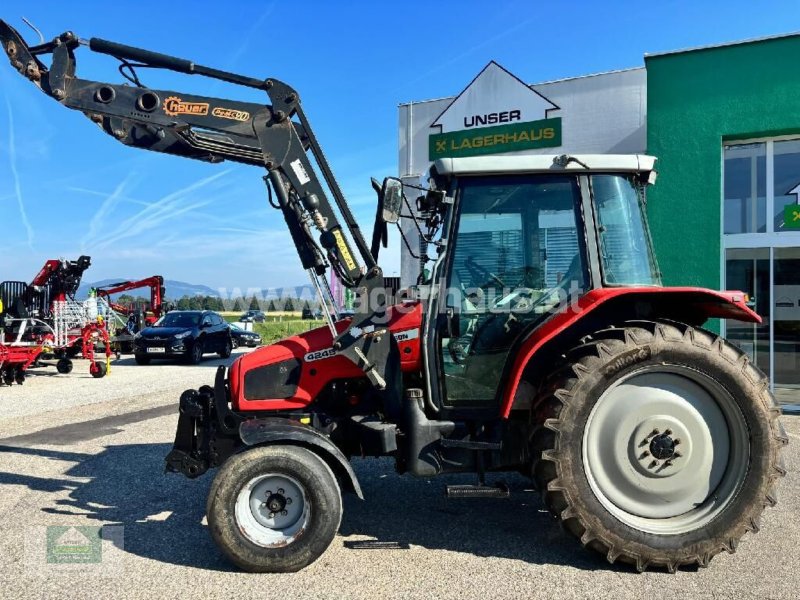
(515, 256)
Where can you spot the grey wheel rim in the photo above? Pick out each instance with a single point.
(666, 449)
(272, 510)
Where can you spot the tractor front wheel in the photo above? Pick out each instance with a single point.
(274, 509)
(64, 366)
(659, 445)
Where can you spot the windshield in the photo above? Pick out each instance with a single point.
(625, 249)
(176, 319)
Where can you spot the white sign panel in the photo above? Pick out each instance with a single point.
(495, 97)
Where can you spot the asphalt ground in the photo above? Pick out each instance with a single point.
(80, 453)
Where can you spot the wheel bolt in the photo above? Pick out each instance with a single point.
(652, 464)
(272, 515)
(269, 493)
(280, 491)
(668, 432)
(654, 432)
(668, 464)
(644, 455)
(284, 512)
(676, 441)
(288, 501)
(677, 455)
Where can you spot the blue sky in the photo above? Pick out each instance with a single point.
(66, 188)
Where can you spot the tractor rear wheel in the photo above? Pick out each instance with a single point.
(659, 445)
(274, 509)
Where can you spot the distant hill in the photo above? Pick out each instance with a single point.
(175, 289)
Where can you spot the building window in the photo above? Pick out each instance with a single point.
(745, 206)
(787, 182)
(761, 225)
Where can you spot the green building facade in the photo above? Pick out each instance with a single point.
(724, 123)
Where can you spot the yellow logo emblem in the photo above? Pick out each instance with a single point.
(175, 106)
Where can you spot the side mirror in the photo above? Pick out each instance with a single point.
(391, 199)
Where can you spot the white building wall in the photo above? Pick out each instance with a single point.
(603, 113)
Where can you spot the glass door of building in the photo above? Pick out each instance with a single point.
(747, 270)
(786, 323)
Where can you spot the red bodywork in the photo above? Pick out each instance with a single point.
(43, 276)
(156, 285)
(700, 302)
(316, 373)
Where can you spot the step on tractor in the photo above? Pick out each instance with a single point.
(538, 340)
(41, 320)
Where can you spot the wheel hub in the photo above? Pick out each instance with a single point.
(662, 446)
(272, 510)
(276, 502)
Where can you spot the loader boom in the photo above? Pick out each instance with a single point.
(276, 136)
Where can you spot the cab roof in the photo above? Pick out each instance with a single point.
(544, 163)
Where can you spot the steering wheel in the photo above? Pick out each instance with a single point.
(481, 273)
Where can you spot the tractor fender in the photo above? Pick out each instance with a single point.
(276, 430)
(690, 305)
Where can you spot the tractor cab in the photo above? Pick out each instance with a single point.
(524, 238)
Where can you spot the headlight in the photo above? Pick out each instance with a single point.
(182, 334)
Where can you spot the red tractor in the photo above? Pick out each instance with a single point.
(539, 340)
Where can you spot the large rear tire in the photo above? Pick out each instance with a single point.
(274, 509)
(659, 445)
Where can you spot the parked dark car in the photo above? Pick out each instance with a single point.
(242, 337)
(184, 334)
(253, 316)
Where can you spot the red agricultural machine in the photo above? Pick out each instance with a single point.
(42, 318)
(138, 317)
(539, 341)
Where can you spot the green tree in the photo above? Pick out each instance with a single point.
(254, 304)
(271, 306)
(237, 306)
(288, 305)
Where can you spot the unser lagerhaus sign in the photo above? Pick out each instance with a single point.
(495, 113)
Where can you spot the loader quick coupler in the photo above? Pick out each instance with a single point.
(207, 431)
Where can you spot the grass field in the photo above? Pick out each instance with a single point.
(278, 325)
(233, 317)
(277, 330)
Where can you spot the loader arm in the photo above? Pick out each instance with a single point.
(276, 136)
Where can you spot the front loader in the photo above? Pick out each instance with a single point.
(539, 340)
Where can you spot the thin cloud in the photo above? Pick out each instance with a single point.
(106, 209)
(12, 159)
(157, 213)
